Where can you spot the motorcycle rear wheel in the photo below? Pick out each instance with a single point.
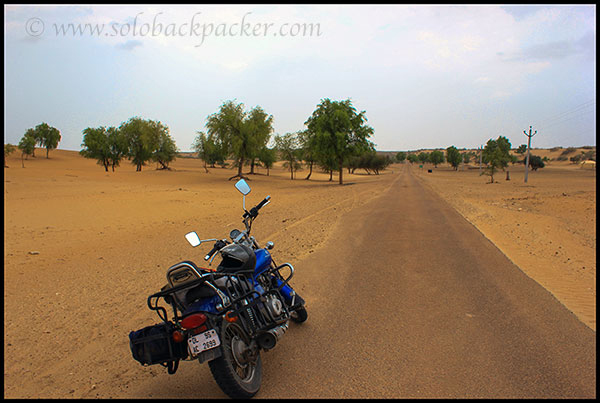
(237, 372)
(299, 315)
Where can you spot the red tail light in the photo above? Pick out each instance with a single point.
(178, 336)
(194, 320)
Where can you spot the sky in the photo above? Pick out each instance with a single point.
(426, 76)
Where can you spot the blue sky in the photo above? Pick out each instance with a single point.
(427, 76)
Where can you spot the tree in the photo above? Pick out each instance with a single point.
(27, 144)
(241, 134)
(50, 136)
(141, 142)
(208, 150)
(454, 157)
(423, 157)
(107, 145)
(45, 136)
(522, 149)
(289, 151)
(260, 125)
(309, 149)
(436, 157)
(8, 149)
(535, 162)
(400, 156)
(267, 157)
(370, 161)
(96, 145)
(466, 157)
(117, 146)
(165, 149)
(412, 158)
(339, 130)
(496, 155)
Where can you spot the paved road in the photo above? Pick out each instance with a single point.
(408, 299)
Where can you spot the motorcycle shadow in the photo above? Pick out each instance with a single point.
(194, 380)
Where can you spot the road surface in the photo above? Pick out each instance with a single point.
(408, 299)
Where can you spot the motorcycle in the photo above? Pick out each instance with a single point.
(225, 315)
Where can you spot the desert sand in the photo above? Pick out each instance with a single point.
(546, 226)
(84, 247)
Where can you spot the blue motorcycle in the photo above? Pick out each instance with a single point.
(225, 315)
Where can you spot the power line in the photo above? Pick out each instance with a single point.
(559, 122)
(569, 111)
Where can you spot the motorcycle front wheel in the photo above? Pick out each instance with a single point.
(238, 371)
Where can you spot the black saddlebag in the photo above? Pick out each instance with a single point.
(154, 345)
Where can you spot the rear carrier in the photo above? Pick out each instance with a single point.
(190, 289)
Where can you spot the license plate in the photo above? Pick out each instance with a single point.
(203, 341)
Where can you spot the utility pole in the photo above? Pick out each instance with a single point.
(528, 148)
(480, 158)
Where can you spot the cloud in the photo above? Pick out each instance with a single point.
(555, 50)
(129, 45)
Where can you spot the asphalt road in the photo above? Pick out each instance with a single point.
(408, 299)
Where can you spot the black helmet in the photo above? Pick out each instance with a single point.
(237, 257)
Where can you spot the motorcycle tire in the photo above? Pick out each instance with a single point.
(299, 315)
(238, 376)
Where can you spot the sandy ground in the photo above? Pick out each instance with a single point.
(546, 226)
(84, 248)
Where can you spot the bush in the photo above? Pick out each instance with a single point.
(568, 150)
(535, 162)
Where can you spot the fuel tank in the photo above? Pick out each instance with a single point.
(263, 261)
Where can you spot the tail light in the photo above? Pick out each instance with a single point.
(193, 321)
(178, 336)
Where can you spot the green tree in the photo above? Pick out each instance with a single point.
(141, 141)
(96, 145)
(289, 150)
(370, 161)
(117, 145)
(165, 149)
(454, 157)
(339, 130)
(436, 157)
(241, 134)
(496, 155)
(107, 145)
(412, 158)
(8, 149)
(27, 145)
(522, 149)
(50, 137)
(309, 149)
(423, 157)
(260, 126)
(400, 156)
(208, 150)
(267, 157)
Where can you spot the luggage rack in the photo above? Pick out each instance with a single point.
(237, 298)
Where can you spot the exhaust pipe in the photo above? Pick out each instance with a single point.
(267, 340)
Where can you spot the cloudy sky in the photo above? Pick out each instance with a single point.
(427, 76)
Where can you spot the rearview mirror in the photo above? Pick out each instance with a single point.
(193, 238)
(243, 187)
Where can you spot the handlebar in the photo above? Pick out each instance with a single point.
(248, 214)
(254, 210)
(218, 245)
